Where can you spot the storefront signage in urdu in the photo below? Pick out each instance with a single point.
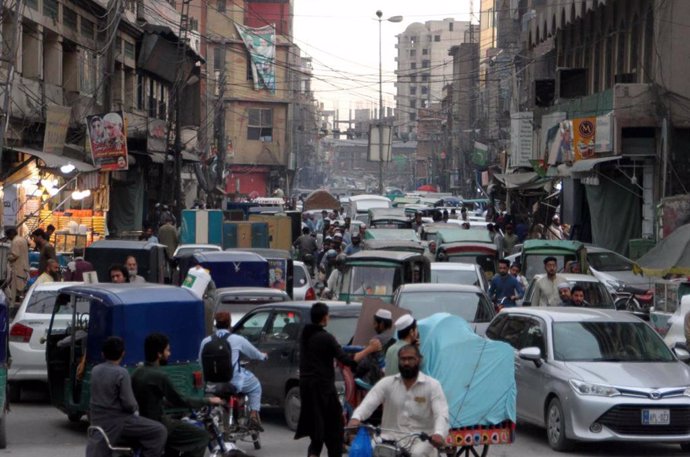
(108, 140)
(57, 122)
(521, 134)
(603, 141)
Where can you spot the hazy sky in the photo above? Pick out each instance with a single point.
(342, 38)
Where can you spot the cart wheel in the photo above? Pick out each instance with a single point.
(473, 451)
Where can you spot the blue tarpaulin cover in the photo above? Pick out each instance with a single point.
(477, 374)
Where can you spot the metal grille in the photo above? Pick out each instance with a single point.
(627, 420)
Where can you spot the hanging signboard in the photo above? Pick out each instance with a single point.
(108, 140)
(584, 132)
(57, 122)
(521, 136)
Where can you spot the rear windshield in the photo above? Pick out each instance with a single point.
(299, 279)
(468, 277)
(471, 306)
(42, 302)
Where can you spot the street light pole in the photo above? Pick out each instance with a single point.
(379, 14)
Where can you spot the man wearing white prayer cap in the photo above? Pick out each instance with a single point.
(564, 293)
(406, 326)
(370, 369)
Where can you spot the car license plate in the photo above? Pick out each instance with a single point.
(656, 417)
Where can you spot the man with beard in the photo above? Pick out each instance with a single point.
(51, 273)
(406, 327)
(564, 293)
(505, 288)
(412, 403)
(321, 413)
(133, 271)
(153, 390)
(546, 288)
(47, 251)
(355, 245)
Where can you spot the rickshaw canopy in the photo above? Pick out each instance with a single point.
(455, 236)
(132, 312)
(391, 234)
(479, 386)
(235, 268)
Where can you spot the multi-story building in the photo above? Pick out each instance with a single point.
(423, 68)
(89, 58)
(607, 87)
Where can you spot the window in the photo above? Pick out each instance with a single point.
(130, 50)
(162, 101)
(193, 23)
(425, 52)
(218, 58)
(88, 72)
(413, 117)
(285, 326)
(425, 63)
(221, 6)
(413, 103)
(153, 101)
(252, 327)
(450, 26)
(250, 72)
(141, 92)
(33, 4)
(413, 90)
(50, 8)
(87, 28)
(425, 77)
(413, 65)
(69, 19)
(260, 124)
(413, 78)
(437, 38)
(425, 90)
(413, 52)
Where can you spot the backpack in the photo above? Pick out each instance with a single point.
(216, 359)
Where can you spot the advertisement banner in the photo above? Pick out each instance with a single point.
(277, 272)
(57, 122)
(261, 44)
(584, 133)
(108, 140)
(559, 141)
(603, 140)
(155, 141)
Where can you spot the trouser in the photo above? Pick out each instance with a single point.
(329, 431)
(252, 387)
(148, 435)
(186, 440)
(423, 449)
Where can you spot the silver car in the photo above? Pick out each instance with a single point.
(595, 375)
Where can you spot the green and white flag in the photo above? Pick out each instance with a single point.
(261, 44)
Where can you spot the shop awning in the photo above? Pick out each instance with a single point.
(517, 180)
(55, 161)
(587, 165)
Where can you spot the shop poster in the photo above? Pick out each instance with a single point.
(584, 134)
(261, 44)
(277, 271)
(108, 141)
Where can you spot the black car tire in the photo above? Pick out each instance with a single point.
(556, 426)
(291, 407)
(74, 417)
(685, 446)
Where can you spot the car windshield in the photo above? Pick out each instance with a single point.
(534, 263)
(468, 277)
(608, 342)
(609, 261)
(42, 302)
(342, 327)
(471, 306)
(372, 280)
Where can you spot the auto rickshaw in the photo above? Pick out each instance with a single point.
(4, 355)
(379, 273)
(391, 218)
(235, 268)
(131, 312)
(394, 245)
(483, 254)
(280, 267)
(151, 258)
(391, 234)
(566, 253)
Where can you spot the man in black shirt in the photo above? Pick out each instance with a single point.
(321, 414)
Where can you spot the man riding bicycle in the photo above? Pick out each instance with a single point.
(241, 379)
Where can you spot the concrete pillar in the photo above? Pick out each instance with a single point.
(52, 58)
(32, 52)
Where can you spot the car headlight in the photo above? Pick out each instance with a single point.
(597, 390)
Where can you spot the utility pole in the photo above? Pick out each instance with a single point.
(221, 140)
(109, 63)
(10, 57)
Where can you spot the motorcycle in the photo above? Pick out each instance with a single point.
(637, 300)
(382, 447)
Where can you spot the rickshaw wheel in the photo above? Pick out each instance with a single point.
(3, 431)
(473, 451)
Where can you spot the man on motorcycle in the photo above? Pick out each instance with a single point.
(412, 403)
(154, 390)
(242, 379)
(505, 288)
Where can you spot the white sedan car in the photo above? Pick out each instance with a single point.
(27, 335)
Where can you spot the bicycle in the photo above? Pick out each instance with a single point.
(401, 447)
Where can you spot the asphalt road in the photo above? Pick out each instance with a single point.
(35, 429)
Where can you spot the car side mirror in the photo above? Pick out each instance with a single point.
(531, 353)
(682, 354)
